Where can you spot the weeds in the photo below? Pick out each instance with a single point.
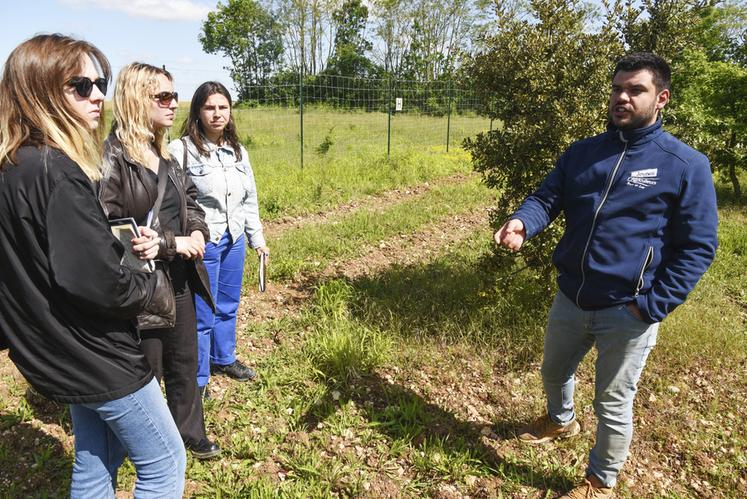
(323, 147)
(342, 350)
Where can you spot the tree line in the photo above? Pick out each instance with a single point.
(539, 67)
(270, 42)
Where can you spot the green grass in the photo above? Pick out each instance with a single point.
(342, 349)
(286, 190)
(354, 162)
(313, 246)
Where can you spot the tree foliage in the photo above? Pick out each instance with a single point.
(710, 81)
(308, 31)
(350, 47)
(546, 78)
(440, 34)
(392, 26)
(249, 36)
(545, 75)
(665, 27)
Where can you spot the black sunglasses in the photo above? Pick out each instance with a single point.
(165, 98)
(84, 86)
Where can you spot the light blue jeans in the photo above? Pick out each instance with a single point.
(138, 425)
(623, 343)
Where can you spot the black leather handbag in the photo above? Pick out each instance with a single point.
(160, 313)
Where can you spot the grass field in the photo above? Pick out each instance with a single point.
(345, 153)
(394, 361)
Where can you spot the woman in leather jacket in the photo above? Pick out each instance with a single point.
(135, 157)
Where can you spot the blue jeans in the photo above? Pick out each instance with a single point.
(216, 332)
(138, 425)
(623, 343)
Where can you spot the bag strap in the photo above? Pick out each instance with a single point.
(163, 174)
(184, 161)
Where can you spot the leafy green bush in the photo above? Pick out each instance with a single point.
(324, 146)
(547, 78)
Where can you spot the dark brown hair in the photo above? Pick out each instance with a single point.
(662, 74)
(193, 127)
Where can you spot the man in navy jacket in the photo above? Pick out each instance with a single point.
(641, 222)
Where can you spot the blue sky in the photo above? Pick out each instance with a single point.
(159, 32)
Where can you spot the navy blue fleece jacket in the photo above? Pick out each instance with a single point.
(641, 220)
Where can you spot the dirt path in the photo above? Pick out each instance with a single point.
(375, 202)
(287, 299)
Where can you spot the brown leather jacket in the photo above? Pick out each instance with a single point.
(127, 190)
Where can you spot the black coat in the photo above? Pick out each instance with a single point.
(67, 306)
(128, 190)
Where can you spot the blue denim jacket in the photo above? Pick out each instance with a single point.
(226, 190)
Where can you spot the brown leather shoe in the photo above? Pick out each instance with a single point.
(543, 429)
(590, 488)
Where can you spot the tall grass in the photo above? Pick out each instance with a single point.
(342, 349)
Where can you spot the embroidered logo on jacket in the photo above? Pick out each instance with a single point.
(643, 178)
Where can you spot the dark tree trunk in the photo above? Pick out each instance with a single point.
(735, 181)
(733, 168)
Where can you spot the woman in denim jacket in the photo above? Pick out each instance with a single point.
(219, 167)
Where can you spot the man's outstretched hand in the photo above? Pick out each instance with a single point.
(511, 235)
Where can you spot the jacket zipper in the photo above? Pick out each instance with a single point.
(596, 214)
(646, 263)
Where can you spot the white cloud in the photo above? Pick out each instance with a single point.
(164, 10)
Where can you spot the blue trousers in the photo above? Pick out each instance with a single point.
(216, 332)
(623, 343)
(138, 425)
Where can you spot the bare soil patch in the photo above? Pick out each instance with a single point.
(287, 299)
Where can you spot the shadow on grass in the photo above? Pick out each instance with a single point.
(48, 411)
(458, 300)
(401, 414)
(32, 462)
(727, 198)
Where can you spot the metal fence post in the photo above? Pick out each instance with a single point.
(300, 100)
(389, 120)
(448, 119)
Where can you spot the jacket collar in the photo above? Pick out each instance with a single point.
(212, 146)
(118, 148)
(637, 136)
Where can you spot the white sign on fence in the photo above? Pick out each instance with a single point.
(398, 104)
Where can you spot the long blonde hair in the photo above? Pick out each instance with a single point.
(136, 83)
(33, 107)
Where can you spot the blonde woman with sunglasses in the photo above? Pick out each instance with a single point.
(143, 181)
(67, 305)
